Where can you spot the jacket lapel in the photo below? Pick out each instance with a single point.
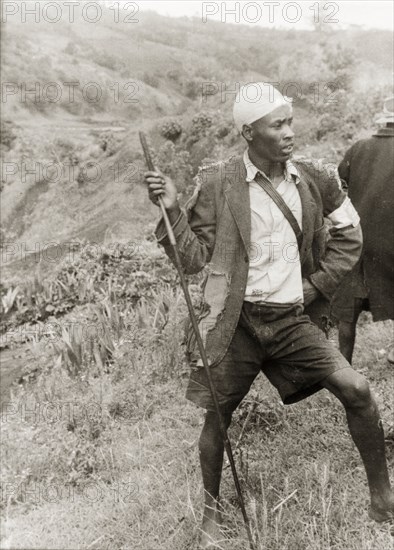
(237, 195)
(236, 191)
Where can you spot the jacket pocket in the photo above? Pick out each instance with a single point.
(192, 352)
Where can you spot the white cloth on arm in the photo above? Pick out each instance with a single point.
(274, 267)
(344, 215)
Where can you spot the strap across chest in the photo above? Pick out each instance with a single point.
(280, 203)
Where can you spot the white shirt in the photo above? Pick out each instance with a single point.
(274, 268)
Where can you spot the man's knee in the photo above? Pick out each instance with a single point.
(351, 388)
(356, 394)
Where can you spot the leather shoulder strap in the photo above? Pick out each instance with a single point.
(280, 203)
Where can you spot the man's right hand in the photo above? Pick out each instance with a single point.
(158, 184)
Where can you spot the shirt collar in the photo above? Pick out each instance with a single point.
(291, 172)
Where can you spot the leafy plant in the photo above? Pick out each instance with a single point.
(8, 300)
(7, 133)
(200, 124)
(171, 130)
(175, 162)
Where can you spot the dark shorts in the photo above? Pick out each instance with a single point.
(283, 343)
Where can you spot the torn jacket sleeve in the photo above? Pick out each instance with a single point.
(345, 245)
(194, 229)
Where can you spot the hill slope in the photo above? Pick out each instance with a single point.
(72, 157)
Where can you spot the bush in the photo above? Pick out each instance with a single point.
(72, 49)
(175, 163)
(222, 130)
(151, 79)
(171, 130)
(8, 135)
(200, 124)
(192, 88)
(349, 114)
(106, 60)
(108, 143)
(64, 150)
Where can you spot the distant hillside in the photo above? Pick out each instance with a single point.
(167, 59)
(128, 77)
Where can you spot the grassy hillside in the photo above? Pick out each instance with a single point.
(146, 74)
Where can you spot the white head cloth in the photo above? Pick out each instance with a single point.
(255, 100)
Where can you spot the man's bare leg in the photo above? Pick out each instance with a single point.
(211, 459)
(365, 427)
(347, 337)
(347, 332)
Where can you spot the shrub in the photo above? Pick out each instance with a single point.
(222, 131)
(192, 88)
(72, 49)
(200, 124)
(175, 162)
(8, 135)
(174, 75)
(151, 79)
(108, 143)
(171, 130)
(347, 115)
(64, 150)
(106, 60)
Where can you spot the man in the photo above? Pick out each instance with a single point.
(258, 285)
(368, 172)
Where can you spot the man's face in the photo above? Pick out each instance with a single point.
(271, 137)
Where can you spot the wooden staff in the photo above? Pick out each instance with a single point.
(201, 348)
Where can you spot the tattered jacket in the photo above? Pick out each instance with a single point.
(214, 232)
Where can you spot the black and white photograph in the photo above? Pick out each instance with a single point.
(197, 275)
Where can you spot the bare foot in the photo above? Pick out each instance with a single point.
(383, 510)
(211, 536)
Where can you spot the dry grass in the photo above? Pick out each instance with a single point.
(304, 484)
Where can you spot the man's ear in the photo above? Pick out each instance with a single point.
(247, 132)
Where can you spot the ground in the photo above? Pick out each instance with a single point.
(304, 484)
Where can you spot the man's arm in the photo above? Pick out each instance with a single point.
(344, 247)
(194, 227)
